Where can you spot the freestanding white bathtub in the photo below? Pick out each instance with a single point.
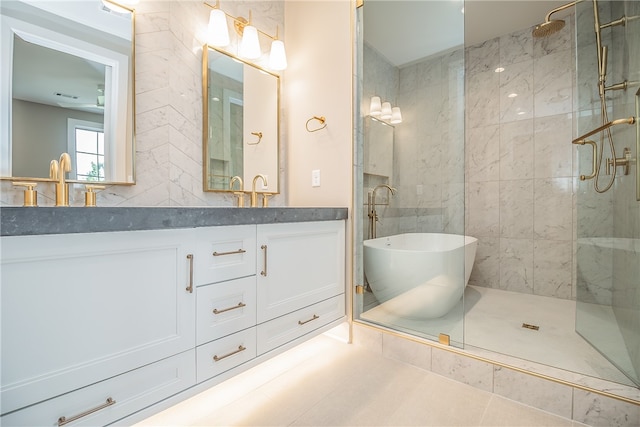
(419, 275)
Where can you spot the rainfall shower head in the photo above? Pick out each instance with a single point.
(550, 26)
(547, 28)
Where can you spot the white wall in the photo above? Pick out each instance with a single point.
(318, 82)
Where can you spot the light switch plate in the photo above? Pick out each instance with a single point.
(315, 178)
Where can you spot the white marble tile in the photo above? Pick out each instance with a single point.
(152, 100)
(482, 209)
(516, 150)
(482, 153)
(516, 209)
(596, 410)
(507, 413)
(516, 91)
(152, 22)
(552, 268)
(553, 207)
(560, 41)
(537, 392)
(482, 99)
(553, 148)
(553, 84)
(463, 369)
(483, 57)
(486, 268)
(516, 47)
(516, 265)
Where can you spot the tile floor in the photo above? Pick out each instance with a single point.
(325, 382)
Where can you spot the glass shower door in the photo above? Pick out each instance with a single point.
(608, 220)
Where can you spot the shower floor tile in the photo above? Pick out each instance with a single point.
(493, 321)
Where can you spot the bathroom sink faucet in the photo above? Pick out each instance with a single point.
(238, 194)
(371, 211)
(58, 170)
(254, 196)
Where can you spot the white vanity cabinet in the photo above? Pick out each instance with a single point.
(81, 308)
(96, 327)
(301, 282)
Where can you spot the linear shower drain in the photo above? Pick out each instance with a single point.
(528, 326)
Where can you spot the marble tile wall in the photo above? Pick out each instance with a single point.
(169, 40)
(519, 161)
(558, 398)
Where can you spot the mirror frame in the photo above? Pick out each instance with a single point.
(131, 95)
(205, 119)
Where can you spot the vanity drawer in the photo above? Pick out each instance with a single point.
(224, 253)
(130, 392)
(225, 308)
(226, 353)
(281, 330)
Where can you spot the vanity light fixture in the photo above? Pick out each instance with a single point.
(249, 47)
(375, 108)
(396, 116)
(386, 111)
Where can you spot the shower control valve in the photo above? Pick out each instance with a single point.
(625, 161)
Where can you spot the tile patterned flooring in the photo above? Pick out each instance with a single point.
(325, 382)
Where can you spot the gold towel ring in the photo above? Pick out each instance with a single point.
(322, 121)
(259, 135)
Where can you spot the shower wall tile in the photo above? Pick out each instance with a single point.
(482, 153)
(562, 40)
(516, 265)
(463, 369)
(486, 268)
(554, 84)
(482, 102)
(483, 201)
(516, 150)
(516, 91)
(482, 57)
(553, 149)
(516, 47)
(596, 410)
(553, 207)
(516, 209)
(406, 351)
(537, 392)
(552, 268)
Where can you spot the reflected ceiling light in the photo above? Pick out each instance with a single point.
(249, 47)
(386, 111)
(375, 107)
(512, 95)
(499, 69)
(396, 116)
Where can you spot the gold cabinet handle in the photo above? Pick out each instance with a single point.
(239, 251)
(240, 305)
(217, 358)
(300, 322)
(264, 272)
(190, 287)
(64, 420)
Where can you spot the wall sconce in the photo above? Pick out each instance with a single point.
(384, 111)
(250, 44)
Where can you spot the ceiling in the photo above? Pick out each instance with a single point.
(405, 31)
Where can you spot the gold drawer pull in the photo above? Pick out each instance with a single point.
(300, 322)
(240, 305)
(239, 251)
(264, 272)
(64, 420)
(217, 358)
(190, 287)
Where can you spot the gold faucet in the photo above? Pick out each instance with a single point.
(57, 170)
(254, 196)
(238, 194)
(372, 213)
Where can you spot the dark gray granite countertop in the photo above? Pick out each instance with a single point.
(21, 221)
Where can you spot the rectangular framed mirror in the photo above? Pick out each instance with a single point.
(240, 123)
(67, 85)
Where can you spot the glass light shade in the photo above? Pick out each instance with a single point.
(218, 29)
(375, 108)
(250, 45)
(396, 116)
(386, 111)
(277, 56)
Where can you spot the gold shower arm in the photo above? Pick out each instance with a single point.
(627, 121)
(558, 9)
